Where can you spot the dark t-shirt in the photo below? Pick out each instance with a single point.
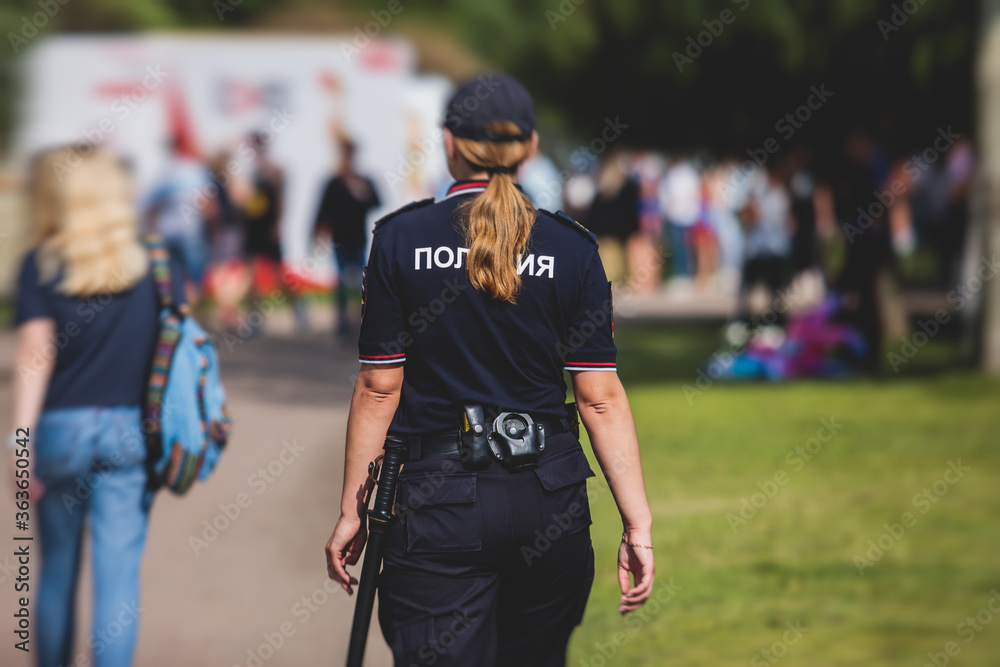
(461, 347)
(262, 217)
(343, 210)
(103, 344)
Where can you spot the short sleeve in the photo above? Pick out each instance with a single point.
(33, 299)
(589, 344)
(382, 333)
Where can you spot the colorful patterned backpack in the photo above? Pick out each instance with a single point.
(186, 422)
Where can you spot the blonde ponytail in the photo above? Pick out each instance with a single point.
(497, 223)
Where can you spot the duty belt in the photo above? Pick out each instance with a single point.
(445, 444)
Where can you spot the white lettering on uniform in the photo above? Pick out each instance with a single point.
(446, 263)
(444, 257)
(526, 262)
(416, 266)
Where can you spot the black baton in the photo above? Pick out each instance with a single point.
(380, 518)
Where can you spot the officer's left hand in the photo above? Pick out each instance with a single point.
(344, 548)
(638, 562)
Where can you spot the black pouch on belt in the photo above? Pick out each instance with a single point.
(474, 447)
(517, 441)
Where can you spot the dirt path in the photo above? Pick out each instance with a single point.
(258, 579)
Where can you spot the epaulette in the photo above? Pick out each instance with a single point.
(409, 207)
(566, 220)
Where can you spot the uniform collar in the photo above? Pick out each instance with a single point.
(470, 187)
(466, 187)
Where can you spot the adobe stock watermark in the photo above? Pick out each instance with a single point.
(363, 35)
(796, 460)
(561, 523)
(31, 26)
(303, 610)
(786, 126)
(721, 362)
(250, 324)
(432, 650)
(258, 481)
(565, 9)
(121, 108)
(696, 44)
(898, 17)
(87, 311)
(245, 152)
(779, 649)
(930, 327)
(100, 640)
(914, 168)
(924, 500)
(413, 160)
(968, 630)
(426, 315)
(605, 651)
(462, 110)
(584, 155)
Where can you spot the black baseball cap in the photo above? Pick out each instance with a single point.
(486, 99)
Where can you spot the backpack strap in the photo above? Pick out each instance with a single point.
(159, 258)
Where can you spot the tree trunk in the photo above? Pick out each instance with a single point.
(988, 84)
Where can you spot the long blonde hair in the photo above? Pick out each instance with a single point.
(497, 223)
(86, 222)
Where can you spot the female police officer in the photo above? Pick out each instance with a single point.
(474, 306)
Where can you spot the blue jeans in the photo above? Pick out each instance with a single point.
(92, 463)
(191, 254)
(350, 259)
(680, 246)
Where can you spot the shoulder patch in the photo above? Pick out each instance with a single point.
(570, 222)
(403, 209)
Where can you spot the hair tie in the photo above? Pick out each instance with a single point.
(499, 170)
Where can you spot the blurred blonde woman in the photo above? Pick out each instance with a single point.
(87, 326)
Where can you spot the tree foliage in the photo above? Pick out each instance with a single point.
(902, 67)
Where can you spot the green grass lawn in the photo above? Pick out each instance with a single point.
(738, 585)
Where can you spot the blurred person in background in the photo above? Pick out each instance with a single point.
(767, 222)
(614, 214)
(175, 210)
(228, 279)
(704, 241)
(805, 262)
(960, 170)
(85, 292)
(644, 248)
(680, 201)
(723, 207)
(263, 210)
(862, 171)
(578, 197)
(541, 181)
(342, 217)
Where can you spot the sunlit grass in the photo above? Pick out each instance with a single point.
(793, 561)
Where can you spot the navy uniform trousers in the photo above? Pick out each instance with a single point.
(488, 568)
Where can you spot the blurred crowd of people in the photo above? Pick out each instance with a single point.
(221, 220)
(775, 228)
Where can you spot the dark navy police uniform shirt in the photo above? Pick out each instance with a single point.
(461, 347)
(103, 343)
